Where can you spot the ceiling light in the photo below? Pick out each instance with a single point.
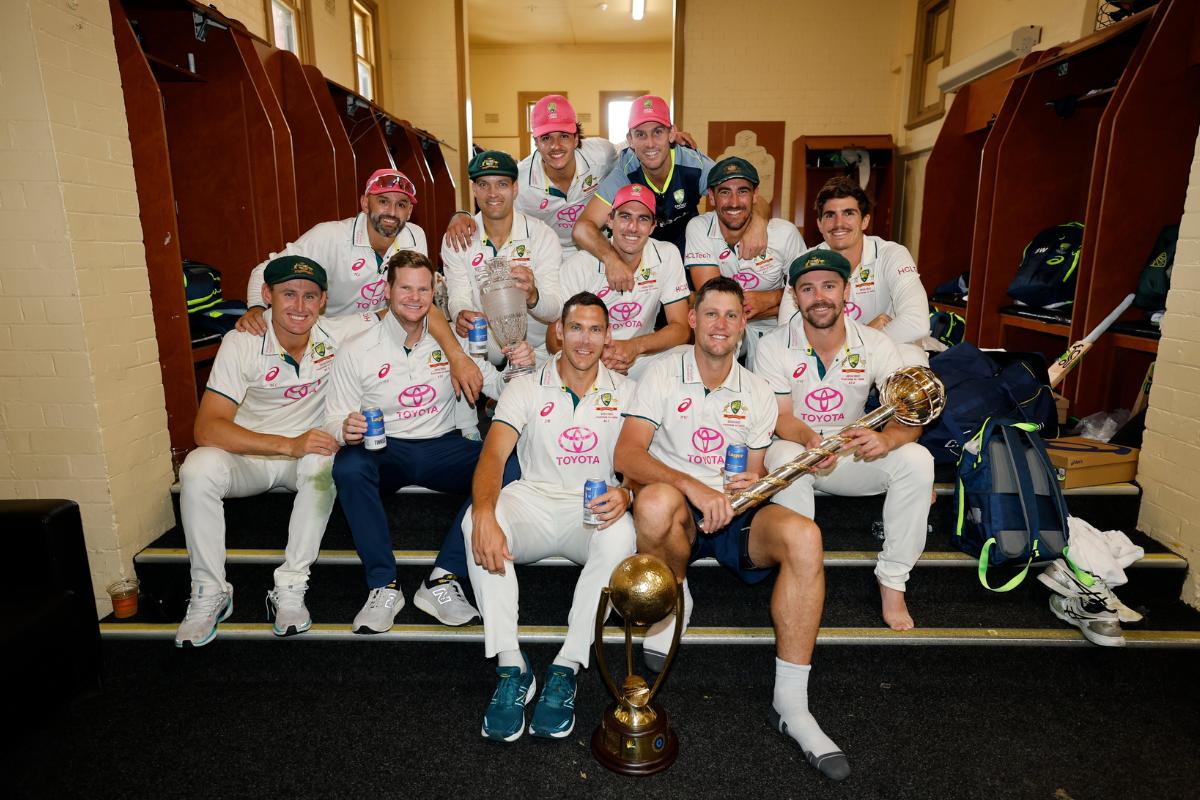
(639, 10)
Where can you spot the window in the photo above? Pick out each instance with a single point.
(931, 52)
(614, 115)
(287, 26)
(525, 103)
(366, 49)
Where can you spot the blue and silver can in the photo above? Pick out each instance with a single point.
(477, 338)
(591, 490)
(735, 461)
(375, 438)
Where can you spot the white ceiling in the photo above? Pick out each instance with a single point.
(530, 22)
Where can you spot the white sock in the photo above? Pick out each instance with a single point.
(559, 661)
(510, 658)
(791, 702)
(437, 573)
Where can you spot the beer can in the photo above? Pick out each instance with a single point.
(375, 438)
(477, 337)
(735, 460)
(591, 490)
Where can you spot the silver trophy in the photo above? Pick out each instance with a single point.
(503, 302)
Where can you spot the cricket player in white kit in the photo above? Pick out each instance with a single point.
(258, 427)
(885, 288)
(563, 420)
(712, 247)
(821, 366)
(659, 281)
(688, 408)
(532, 250)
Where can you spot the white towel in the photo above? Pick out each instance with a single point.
(1105, 554)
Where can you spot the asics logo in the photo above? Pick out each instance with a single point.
(578, 439)
(416, 396)
(543, 205)
(546, 409)
(477, 260)
(272, 372)
(357, 265)
(707, 440)
(824, 399)
(796, 373)
(384, 370)
(685, 405)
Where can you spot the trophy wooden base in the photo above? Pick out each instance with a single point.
(635, 752)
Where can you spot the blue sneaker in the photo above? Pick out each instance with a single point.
(554, 716)
(504, 719)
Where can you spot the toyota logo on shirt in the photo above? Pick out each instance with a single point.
(623, 312)
(419, 395)
(570, 213)
(707, 440)
(300, 392)
(578, 439)
(604, 292)
(748, 280)
(373, 292)
(824, 399)
(853, 311)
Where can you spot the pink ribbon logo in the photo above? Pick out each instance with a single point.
(578, 440)
(706, 440)
(416, 396)
(824, 399)
(624, 312)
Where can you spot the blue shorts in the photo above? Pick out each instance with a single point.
(730, 546)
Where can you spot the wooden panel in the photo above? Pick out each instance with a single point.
(366, 137)
(444, 190)
(807, 179)
(345, 171)
(156, 210)
(760, 143)
(408, 157)
(313, 150)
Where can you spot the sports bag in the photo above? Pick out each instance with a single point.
(946, 326)
(981, 385)
(1048, 269)
(201, 286)
(1010, 506)
(1155, 278)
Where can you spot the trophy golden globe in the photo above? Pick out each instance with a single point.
(635, 736)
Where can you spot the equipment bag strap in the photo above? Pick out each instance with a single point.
(1014, 443)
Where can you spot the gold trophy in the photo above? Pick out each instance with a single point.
(635, 736)
(913, 395)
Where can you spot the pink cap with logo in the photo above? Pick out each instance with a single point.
(649, 108)
(553, 114)
(632, 192)
(383, 181)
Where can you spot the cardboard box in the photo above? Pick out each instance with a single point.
(1062, 406)
(1087, 462)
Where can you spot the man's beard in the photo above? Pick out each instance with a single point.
(808, 312)
(377, 222)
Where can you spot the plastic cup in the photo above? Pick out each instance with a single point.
(124, 594)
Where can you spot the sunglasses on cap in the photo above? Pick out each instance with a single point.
(391, 182)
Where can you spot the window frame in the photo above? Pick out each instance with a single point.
(607, 97)
(369, 9)
(927, 13)
(300, 15)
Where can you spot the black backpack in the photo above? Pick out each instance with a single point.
(1155, 278)
(1049, 267)
(946, 326)
(201, 286)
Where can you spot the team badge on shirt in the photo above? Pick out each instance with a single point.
(734, 410)
(520, 251)
(679, 195)
(606, 406)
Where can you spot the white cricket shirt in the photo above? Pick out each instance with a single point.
(658, 280)
(541, 199)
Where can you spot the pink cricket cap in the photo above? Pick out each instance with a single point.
(383, 181)
(634, 192)
(649, 108)
(553, 114)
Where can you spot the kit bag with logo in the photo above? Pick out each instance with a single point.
(1049, 267)
(1155, 278)
(981, 385)
(1010, 507)
(201, 285)
(946, 326)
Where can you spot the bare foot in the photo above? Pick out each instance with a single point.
(895, 610)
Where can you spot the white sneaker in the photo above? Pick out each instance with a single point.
(380, 610)
(1061, 579)
(286, 605)
(657, 642)
(1098, 623)
(443, 599)
(206, 607)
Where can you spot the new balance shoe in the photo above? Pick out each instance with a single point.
(657, 642)
(287, 607)
(554, 714)
(1097, 621)
(380, 610)
(206, 607)
(1060, 578)
(443, 599)
(504, 720)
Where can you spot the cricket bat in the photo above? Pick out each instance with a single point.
(1064, 363)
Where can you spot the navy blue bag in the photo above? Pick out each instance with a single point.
(981, 385)
(1010, 506)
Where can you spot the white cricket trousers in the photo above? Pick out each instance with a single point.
(906, 474)
(537, 525)
(210, 474)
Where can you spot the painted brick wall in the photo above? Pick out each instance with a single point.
(81, 401)
(1169, 468)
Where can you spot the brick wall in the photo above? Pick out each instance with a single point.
(81, 402)
(1169, 469)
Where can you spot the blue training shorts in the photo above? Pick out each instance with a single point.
(730, 546)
